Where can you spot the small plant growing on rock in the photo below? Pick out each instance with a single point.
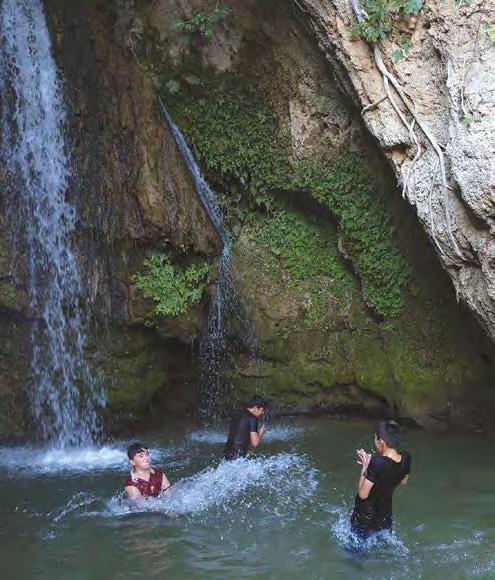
(489, 28)
(201, 24)
(381, 17)
(172, 288)
(394, 18)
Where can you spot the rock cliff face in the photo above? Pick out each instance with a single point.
(450, 76)
(134, 197)
(317, 350)
(324, 339)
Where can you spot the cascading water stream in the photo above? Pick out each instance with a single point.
(214, 348)
(203, 190)
(42, 224)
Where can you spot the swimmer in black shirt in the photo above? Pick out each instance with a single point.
(244, 431)
(380, 475)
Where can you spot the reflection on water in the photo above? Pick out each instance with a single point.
(282, 515)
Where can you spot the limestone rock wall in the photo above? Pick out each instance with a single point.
(340, 358)
(449, 74)
(134, 196)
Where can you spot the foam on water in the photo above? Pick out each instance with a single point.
(50, 460)
(341, 530)
(484, 570)
(459, 549)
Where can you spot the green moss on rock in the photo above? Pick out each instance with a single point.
(246, 154)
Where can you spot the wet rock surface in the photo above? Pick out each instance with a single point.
(135, 197)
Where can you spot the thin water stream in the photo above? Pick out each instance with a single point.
(283, 515)
(226, 303)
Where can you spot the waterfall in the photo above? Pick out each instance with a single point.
(214, 348)
(34, 155)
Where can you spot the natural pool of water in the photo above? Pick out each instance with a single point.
(283, 515)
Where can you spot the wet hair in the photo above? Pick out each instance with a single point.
(257, 401)
(389, 431)
(134, 449)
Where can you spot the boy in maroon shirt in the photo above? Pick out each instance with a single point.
(144, 481)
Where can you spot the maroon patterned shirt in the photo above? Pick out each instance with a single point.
(150, 488)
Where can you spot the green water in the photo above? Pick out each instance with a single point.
(284, 515)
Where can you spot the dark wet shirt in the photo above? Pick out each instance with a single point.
(239, 439)
(375, 512)
(150, 488)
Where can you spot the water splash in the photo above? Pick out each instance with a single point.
(47, 461)
(42, 223)
(384, 540)
(274, 433)
(284, 481)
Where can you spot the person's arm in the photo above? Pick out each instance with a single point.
(136, 500)
(132, 492)
(407, 461)
(364, 484)
(256, 437)
(165, 483)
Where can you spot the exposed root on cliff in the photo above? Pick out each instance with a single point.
(389, 78)
(430, 210)
(373, 105)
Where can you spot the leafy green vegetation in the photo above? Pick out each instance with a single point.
(202, 23)
(172, 288)
(305, 250)
(489, 28)
(309, 253)
(235, 138)
(347, 190)
(238, 141)
(381, 20)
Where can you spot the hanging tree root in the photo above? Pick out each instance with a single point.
(430, 209)
(373, 105)
(389, 78)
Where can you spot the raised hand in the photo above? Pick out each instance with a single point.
(363, 459)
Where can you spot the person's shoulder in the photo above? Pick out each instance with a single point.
(406, 459)
(253, 422)
(378, 461)
(378, 464)
(129, 481)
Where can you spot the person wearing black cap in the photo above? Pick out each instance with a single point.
(244, 432)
